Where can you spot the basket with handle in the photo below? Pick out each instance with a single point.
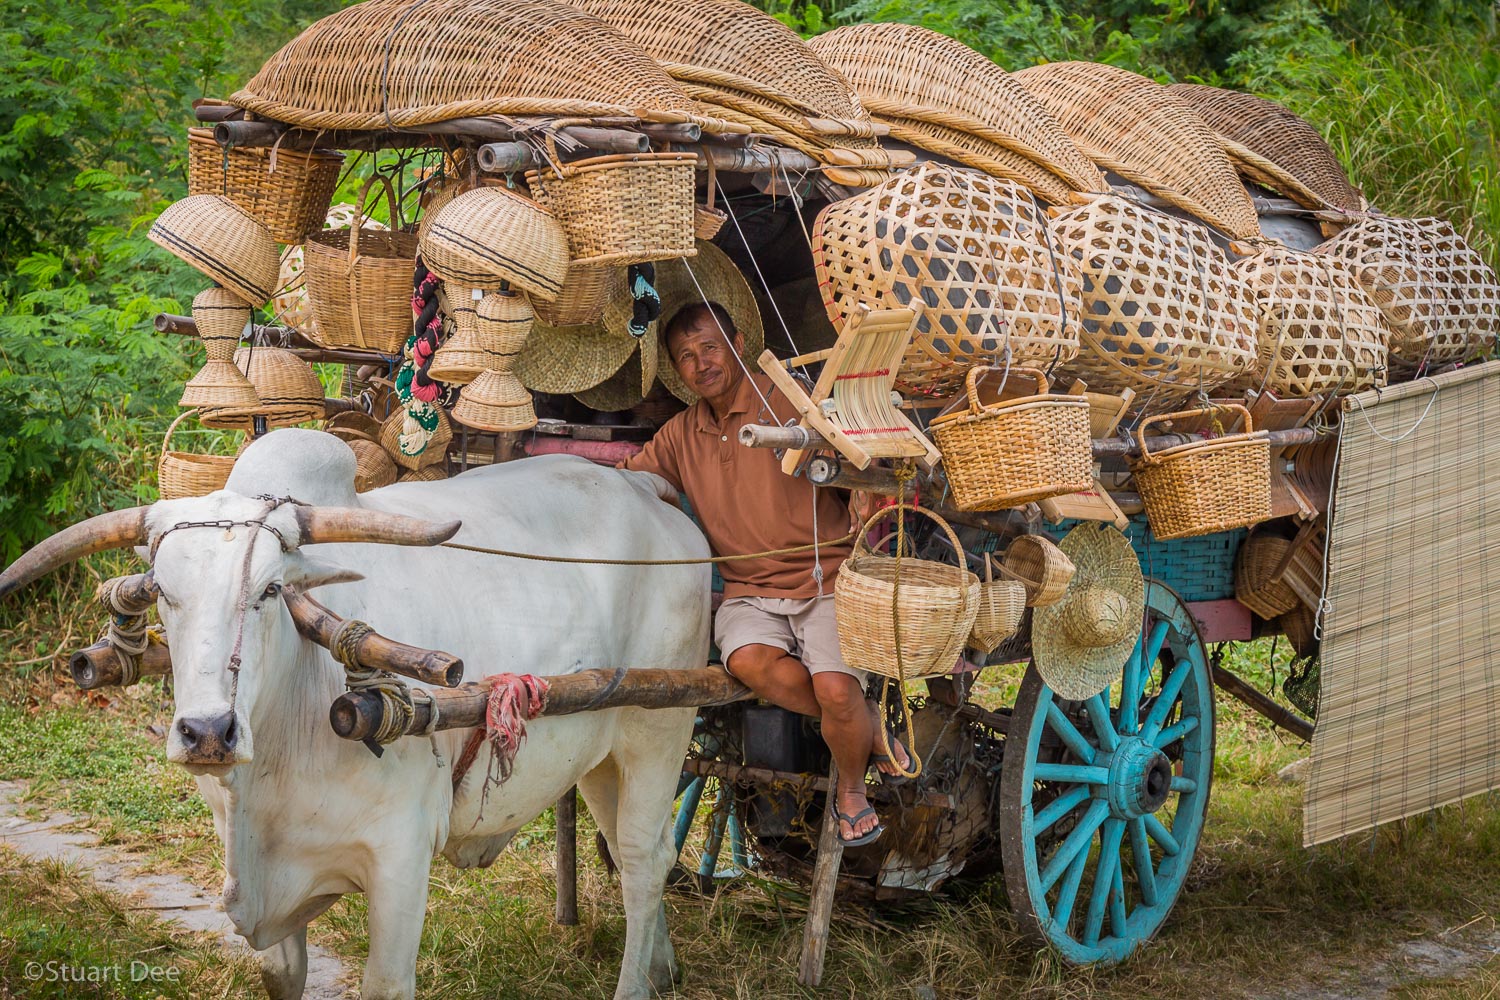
(359, 281)
(1002, 604)
(188, 474)
(627, 208)
(1010, 453)
(286, 189)
(1204, 486)
(903, 617)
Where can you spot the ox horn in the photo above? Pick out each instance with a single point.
(353, 524)
(116, 530)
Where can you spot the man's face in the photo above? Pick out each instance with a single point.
(706, 362)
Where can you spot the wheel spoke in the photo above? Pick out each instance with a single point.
(1162, 835)
(1170, 689)
(1117, 900)
(1067, 895)
(1058, 808)
(1073, 773)
(1130, 690)
(1109, 740)
(1077, 841)
(1140, 851)
(1064, 728)
(1186, 786)
(1175, 731)
(1154, 644)
(1104, 879)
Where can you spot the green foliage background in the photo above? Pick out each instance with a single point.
(95, 96)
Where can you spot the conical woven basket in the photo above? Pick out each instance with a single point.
(495, 401)
(973, 252)
(220, 316)
(223, 241)
(189, 474)
(1040, 567)
(1287, 153)
(931, 81)
(492, 336)
(289, 391)
(1145, 133)
(385, 63)
(585, 291)
(436, 451)
(1162, 311)
(490, 235)
(1440, 299)
(1319, 331)
(288, 190)
(218, 384)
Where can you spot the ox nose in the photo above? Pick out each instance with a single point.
(209, 739)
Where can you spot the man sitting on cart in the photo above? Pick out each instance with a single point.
(776, 628)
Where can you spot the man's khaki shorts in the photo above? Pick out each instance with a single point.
(803, 628)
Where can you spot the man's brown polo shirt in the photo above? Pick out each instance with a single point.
(742, 498)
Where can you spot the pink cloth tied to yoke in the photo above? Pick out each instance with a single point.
(514, 699)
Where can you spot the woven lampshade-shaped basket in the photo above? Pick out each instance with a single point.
(495, 343)
(1441, 301)
(387, 63)
(1002, 604)
(495, 401)
(288, 190)
(937, 93)
(359, 280)
(1257, 583)
(220, 316)
(288, 389)
(1318, 332)
(1039, 566)
(435, 452)
(973, 252)
(223, 241)
(373, 467)
(1274, 147)
(189, 474)
(1205, 486)
(1162, 311)
(490, 235)
(1145, 133)
(622, 209)
(934, 602)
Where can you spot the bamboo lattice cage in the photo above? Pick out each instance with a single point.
(288, 190)
(1162, 311)
(385, 63)
(1440, 299)
(1145, 133)
(974, 252)
(1274, 147)
(1319, 332)
(941, 95)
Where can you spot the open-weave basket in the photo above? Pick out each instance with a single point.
(972, 252)
(1145, 133)
(1274, 147)
(189, 474)
(1204, 486)
(1441, 301)
(1319, 331)
(1040, 566)
(1010, 453)
(359, 281)
(289, 391)
(1257, 580)
(936, 91)
(932, 604)
(1002, 605)
(1162, 311)
(628, 208)
(286, 189)
(385, 63)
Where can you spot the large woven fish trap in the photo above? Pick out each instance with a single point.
(1145, 133)
(1274, 147)
(973, 252)
(1319, 332)
(385, 63)
(1162, 312)
(940, 95)
(1440, 299)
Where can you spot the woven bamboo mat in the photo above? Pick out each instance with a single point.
(1410, 708)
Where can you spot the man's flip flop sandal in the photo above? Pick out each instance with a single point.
(891, 780)
(868, 838)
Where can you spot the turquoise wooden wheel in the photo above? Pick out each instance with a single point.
(1103, 800)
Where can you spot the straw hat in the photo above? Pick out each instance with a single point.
(223, 241)
(720, 282)
(565, 359)
(489, 235)
(629, 385)
(1080, 643)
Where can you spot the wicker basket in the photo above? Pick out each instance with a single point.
(373, 467)
(1204, 486)
(934, 604)
(628, 208)
(1041, 567)
(288, 389)
(585, 292)
(437, 446)
(1006, 454)
(359, 281)
(286, 189)
(1257, 579)
(188, 474)
(1002, 604)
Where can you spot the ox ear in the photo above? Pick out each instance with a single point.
(305, 573)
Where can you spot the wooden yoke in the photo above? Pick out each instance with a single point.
(851, 405)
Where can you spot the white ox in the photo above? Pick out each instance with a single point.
(305, 816)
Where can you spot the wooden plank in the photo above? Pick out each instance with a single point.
(1220, 621)
(567, 859)
(824, 882)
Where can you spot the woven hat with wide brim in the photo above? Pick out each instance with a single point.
(563, 359)
(1080, 643)
(711, 276)
(223, 241)
(629, 385)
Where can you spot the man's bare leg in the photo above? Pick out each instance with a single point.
(847, 729)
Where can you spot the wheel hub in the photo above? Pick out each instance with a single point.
(1140, 779)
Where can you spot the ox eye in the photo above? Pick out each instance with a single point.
(271, 592)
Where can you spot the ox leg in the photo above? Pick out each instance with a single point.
(398, 907)
(283, 966)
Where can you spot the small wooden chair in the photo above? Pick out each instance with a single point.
(853, 405)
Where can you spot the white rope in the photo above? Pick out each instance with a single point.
(1410, 430)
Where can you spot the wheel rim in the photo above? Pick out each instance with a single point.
(1086, 804)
